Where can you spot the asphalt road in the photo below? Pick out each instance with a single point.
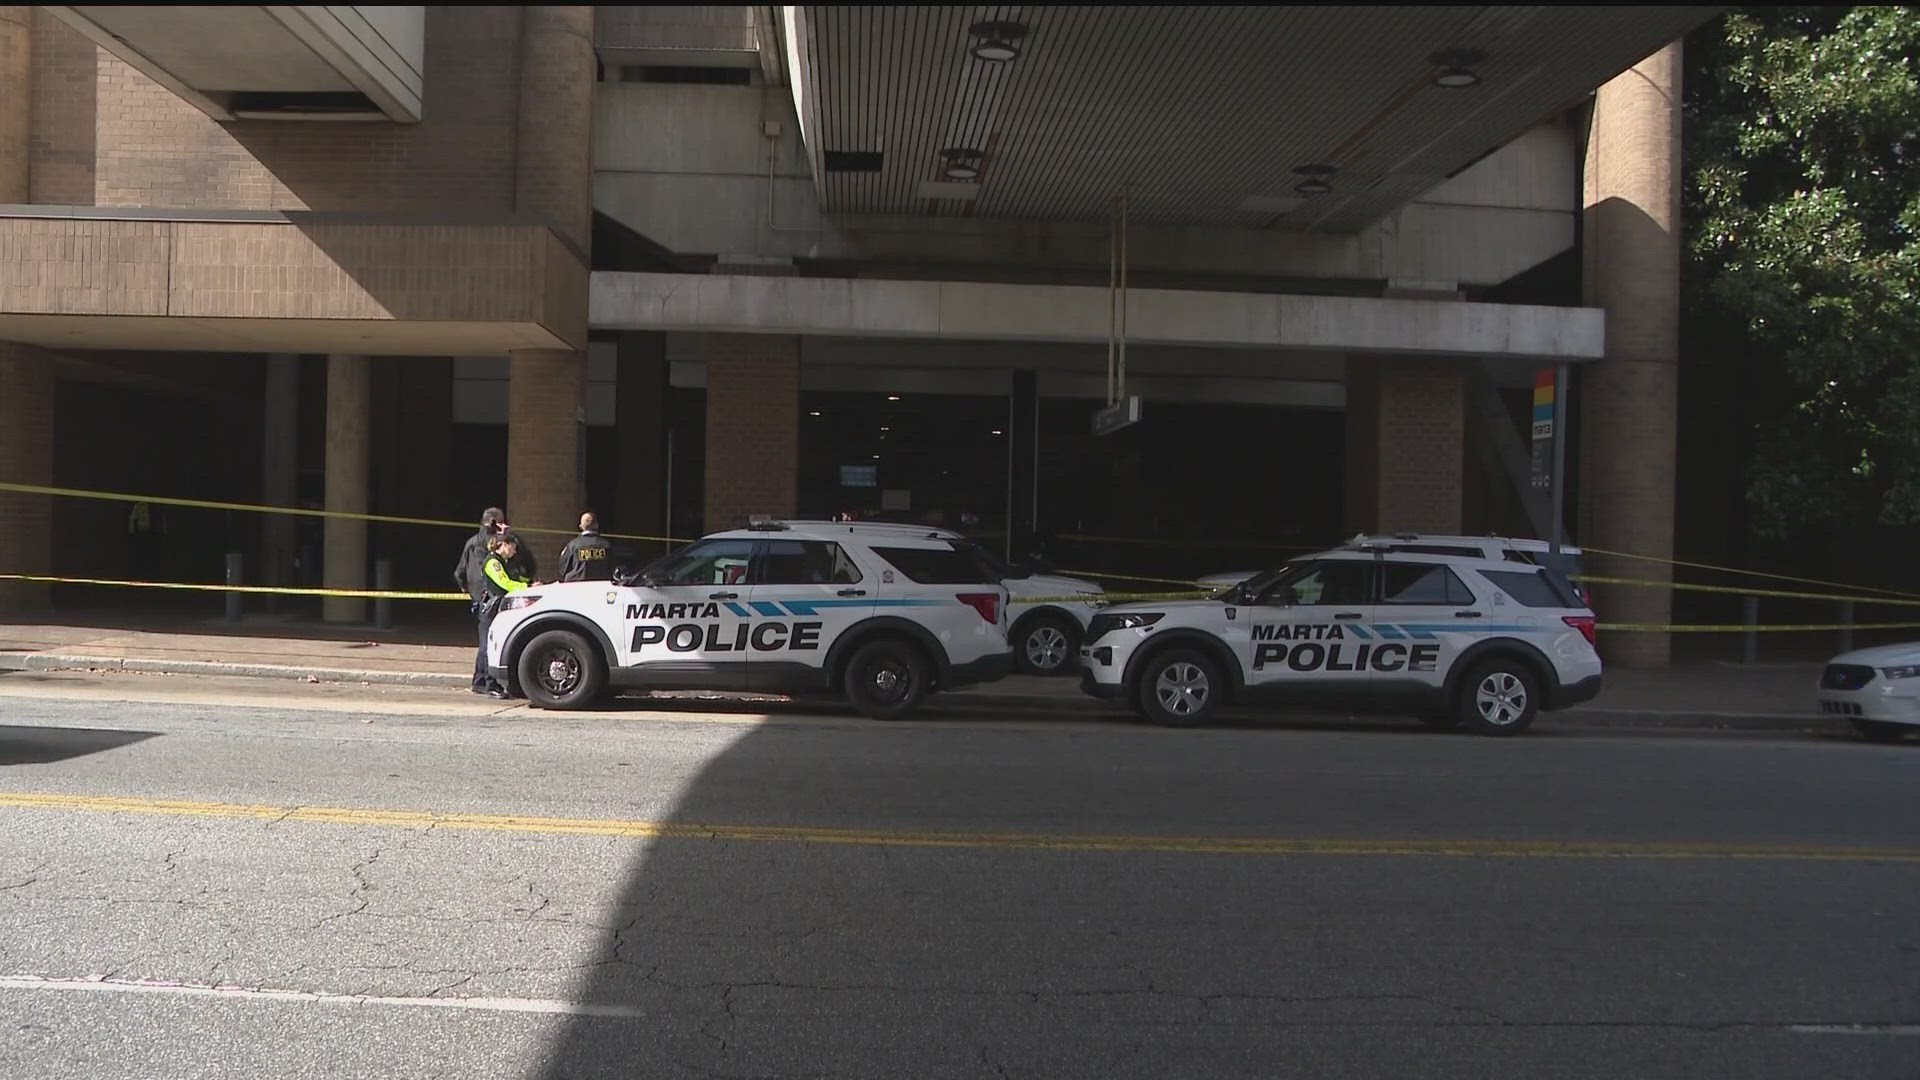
(215, 880)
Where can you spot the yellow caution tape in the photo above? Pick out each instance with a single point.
(1190, 543)
(1748, 573)
(277, 590)
(1127, 577)
(1737, 590)
(298, 511)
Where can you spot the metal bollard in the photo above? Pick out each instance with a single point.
(382, 606)
(1750, 639)
(234, 599)
(1846, 623)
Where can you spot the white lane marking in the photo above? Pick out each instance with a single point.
(250, 993)
(1854, 1029)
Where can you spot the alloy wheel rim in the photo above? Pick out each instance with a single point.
(1046, 648)
(1182, 688)
(559, 671)
(1501, 699)
(891, 681)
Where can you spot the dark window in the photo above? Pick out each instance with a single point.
(853, 161)
(711, 562)
(1531, 587)
(1321, 584)
(1422, 583)
(1518, 556)
(709, 76)
(805, 562)
(948, 565)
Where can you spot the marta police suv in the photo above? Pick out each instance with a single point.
(1457, 641)
(884, 616)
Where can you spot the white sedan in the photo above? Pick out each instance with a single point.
(1877, 689)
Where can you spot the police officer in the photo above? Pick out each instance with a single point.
(586, 557)
(470, 575)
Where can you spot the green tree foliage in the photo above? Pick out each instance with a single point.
(1803, 264)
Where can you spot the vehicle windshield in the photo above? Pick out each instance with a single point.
(1256, 584)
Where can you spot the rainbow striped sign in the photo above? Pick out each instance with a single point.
(1543, 390)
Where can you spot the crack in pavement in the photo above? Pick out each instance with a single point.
(361, 889)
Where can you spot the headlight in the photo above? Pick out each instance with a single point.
(1906, 672)
(518, 600)
(1101, 625)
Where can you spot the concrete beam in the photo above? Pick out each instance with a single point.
(715, 303)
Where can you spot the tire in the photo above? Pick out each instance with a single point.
(1047, 645)
(1880, 730)
(1499, 698)
(887, 679)
(1179, 688)
(560, 669)
(1441, 721)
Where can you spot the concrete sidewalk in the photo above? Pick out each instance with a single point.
(1710, 693)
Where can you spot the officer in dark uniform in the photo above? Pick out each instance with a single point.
(586, 557)
(470, 575)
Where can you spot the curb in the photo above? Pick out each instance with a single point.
(142, 666)
(940, 703)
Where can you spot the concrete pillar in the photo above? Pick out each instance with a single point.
(16, 84)
(544, 436)
(553, 171)
(753, 428)
(26, 457)
(1628, 401)
(279, 468)
(642, 395)
(1405, 445)
(349, 430)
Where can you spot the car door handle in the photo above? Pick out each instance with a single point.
(1346, 615)
(853, 592)
(723, 596)
(1466, 614)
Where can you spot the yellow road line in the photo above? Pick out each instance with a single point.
(1062, 842)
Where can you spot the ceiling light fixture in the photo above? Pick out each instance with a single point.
(963, 162)
(1315, 178)
(1456, 70)
(998, 41)
(893, 397)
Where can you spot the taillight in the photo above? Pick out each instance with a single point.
(986, 603)
(1582, 623)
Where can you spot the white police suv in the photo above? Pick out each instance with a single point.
(1458, 641)
(1050, 611)
(782, 607)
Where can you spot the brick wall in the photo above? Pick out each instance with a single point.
(753, 427)
(1406, 445)
(543, 449)
(106, 135)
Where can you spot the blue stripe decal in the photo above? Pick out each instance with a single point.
(811, 607)
(1461, 628)
(737, 609)
(1361, 633)
(765, 608)
(1388, 632)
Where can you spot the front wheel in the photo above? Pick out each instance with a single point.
(1499, 697)
(1179, 688)
(1880, 730)
(561, 670)
(887, 680)
(1046, 646)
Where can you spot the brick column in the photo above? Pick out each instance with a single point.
(26, 457)
(753, 428)
(640, 402)
(1405, 444)
(543, 449)
(1628, 401)
(16, 81)
(349, 432)
(553, 168)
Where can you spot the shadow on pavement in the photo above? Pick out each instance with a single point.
(44, 745)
